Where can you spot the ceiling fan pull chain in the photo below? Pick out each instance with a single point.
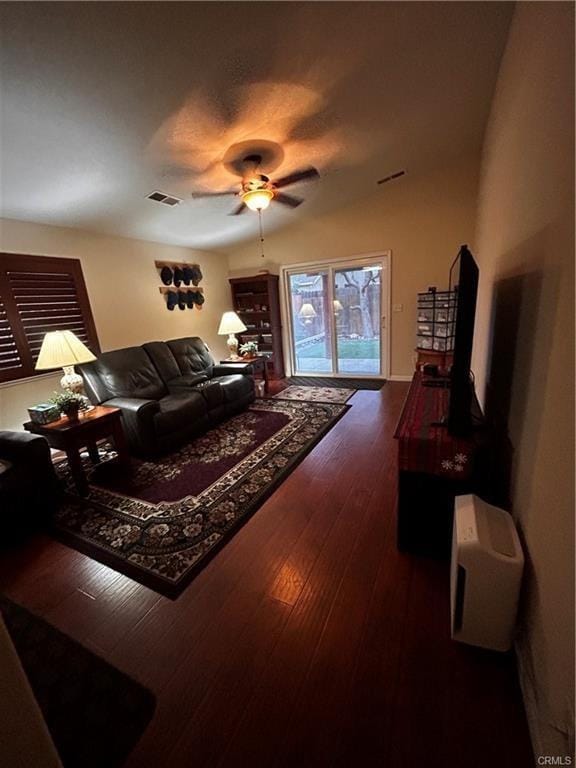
(261, 233)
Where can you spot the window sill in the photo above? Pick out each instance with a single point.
(28, 379)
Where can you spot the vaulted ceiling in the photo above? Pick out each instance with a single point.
(102, 103)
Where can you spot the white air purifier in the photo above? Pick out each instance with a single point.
(486, 573)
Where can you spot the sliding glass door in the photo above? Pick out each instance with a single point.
(311, 321)
(337, 313)
(357, 313)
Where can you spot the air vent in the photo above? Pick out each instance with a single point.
(160, 197)
(391, 177)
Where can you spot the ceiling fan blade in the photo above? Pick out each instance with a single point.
(242, 208)
(200, 195)
(292, 202)
(303, 175)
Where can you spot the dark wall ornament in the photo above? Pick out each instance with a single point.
(183, 297)
(185, 279)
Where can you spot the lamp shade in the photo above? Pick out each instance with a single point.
(307, 311)
(61, 348)
(230, 323)
(257, 199)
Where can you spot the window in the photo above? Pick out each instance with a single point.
(39, 294)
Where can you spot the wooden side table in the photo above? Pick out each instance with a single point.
(70, 436)
(258, 365)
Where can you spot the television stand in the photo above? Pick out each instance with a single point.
(433, 467)
(443, 383)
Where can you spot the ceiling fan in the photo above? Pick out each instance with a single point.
(258, 190)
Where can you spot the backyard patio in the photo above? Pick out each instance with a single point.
(354, 356)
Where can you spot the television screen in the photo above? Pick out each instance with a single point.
(463, 277)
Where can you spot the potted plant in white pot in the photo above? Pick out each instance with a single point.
(249, 350)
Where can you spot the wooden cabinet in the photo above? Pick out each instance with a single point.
(434, 467)
(430, 357)
(256, 300)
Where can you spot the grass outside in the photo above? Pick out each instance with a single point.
(348, 349)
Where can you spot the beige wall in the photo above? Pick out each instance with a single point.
(422, 219)
(122, 284)
(524, 346)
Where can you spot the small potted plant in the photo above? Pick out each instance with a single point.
(69, 403)
(250, 349)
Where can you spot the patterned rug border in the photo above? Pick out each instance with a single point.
(163, 586)
(360, 383)
(278, 396)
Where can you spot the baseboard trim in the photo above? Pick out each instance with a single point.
(397, 377)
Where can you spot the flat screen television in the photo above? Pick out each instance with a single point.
(463, 278)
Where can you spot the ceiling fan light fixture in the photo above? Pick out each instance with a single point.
(257, 199)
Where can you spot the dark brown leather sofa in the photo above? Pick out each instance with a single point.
(167, 391)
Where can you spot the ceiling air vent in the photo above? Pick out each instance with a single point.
(391, 177)
(160, 197)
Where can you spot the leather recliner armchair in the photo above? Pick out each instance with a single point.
(30, 491)
(168, 392)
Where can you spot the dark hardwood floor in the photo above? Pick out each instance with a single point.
(309, 640)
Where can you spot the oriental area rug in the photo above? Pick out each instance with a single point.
(160, 523)
(316, 394)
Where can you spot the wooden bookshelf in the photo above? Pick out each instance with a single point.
(256, 301)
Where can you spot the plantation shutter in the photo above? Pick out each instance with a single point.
(10, 360)
(39, 294)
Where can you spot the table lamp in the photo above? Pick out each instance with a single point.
(63, 349)
(307, 313)
(231, 324)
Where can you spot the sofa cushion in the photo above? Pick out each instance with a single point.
(187, 382)
(192, 355)
(178, 410)
(236, 386)
(122, 373)
(163, 360)
(213, 393)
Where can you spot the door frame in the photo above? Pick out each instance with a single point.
(358, 260)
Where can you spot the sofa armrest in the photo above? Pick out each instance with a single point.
(30, 482)
(136, 405)
(230, 368)
(23, 446)
(138, 421)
